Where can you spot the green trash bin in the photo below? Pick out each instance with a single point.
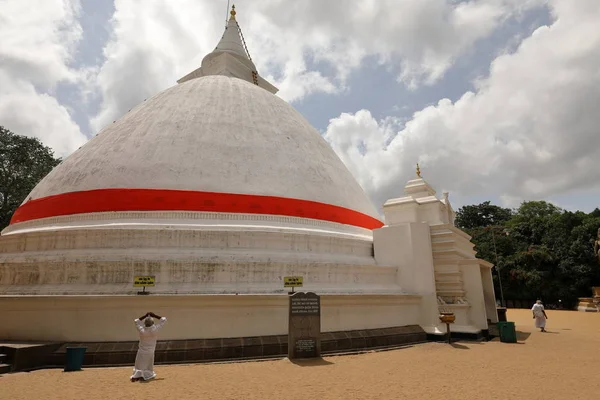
(74, 360)
(508, 333)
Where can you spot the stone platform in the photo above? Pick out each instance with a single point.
(207, 350)
(588, 304)
(23, 356)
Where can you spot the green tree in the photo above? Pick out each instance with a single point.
(540, 250)
(24, 161)
(531, 221)
(481, 216)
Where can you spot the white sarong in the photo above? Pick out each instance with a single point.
(538, 313)
(144, 360)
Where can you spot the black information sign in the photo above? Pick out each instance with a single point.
(305, 305)
(305, 347)
(304, 334)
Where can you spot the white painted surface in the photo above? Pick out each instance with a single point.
(419, 205)
(213, 134)
(230, 59)
(231, 40)
(489, 294)
(188, 220)
(90, 276)
(219, 274)
(229, 271)
(76, 318)
(435, 260)
(104, 260)
(474, 294)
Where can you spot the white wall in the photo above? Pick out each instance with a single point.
(474, 294)
(217, 261)
(489, 294)
(408, 247)
(110, 318)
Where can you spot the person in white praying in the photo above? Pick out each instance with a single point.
(144, 360)
(539, 314)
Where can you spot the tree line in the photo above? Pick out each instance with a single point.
(24, 161)
(540, 250)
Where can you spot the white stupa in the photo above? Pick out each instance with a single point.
(219, 189)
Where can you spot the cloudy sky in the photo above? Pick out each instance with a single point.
(496, 99)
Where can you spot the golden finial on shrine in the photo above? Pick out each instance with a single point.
(418, 170)
(232, 12)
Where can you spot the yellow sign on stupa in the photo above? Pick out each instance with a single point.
(292, 281)
(139, 281)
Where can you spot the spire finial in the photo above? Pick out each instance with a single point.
(418, 171)
(232, 12)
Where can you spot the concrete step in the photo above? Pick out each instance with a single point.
(493, 330)
(4, 368)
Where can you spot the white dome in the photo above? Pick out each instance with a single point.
(209, 136)
(212, 186)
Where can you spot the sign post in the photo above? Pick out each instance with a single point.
(143, 281)
(292, 281)
(304, 326)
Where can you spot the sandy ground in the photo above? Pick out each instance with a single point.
(561, 364)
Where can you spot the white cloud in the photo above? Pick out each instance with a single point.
(37, 47)
(155, 42)
(27, 112)
(419, 39)
(530, 130)
(152, 45)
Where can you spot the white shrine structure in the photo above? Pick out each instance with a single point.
(220, 189)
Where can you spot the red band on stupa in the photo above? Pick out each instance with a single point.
(118, 200)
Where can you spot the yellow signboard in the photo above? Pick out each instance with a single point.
(292, 281)
(139, 281)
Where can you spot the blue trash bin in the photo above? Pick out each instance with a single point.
(74, 360)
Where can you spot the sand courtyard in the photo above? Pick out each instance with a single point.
(560, 364)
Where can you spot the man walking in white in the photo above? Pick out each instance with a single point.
(144, 360)
(539, 314)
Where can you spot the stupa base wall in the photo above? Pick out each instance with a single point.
(110, 318)
(187, 274)
(106, 261)
(104, 354)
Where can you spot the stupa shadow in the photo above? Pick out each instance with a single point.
(523, 336)
(459, 346)
(310, 362)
